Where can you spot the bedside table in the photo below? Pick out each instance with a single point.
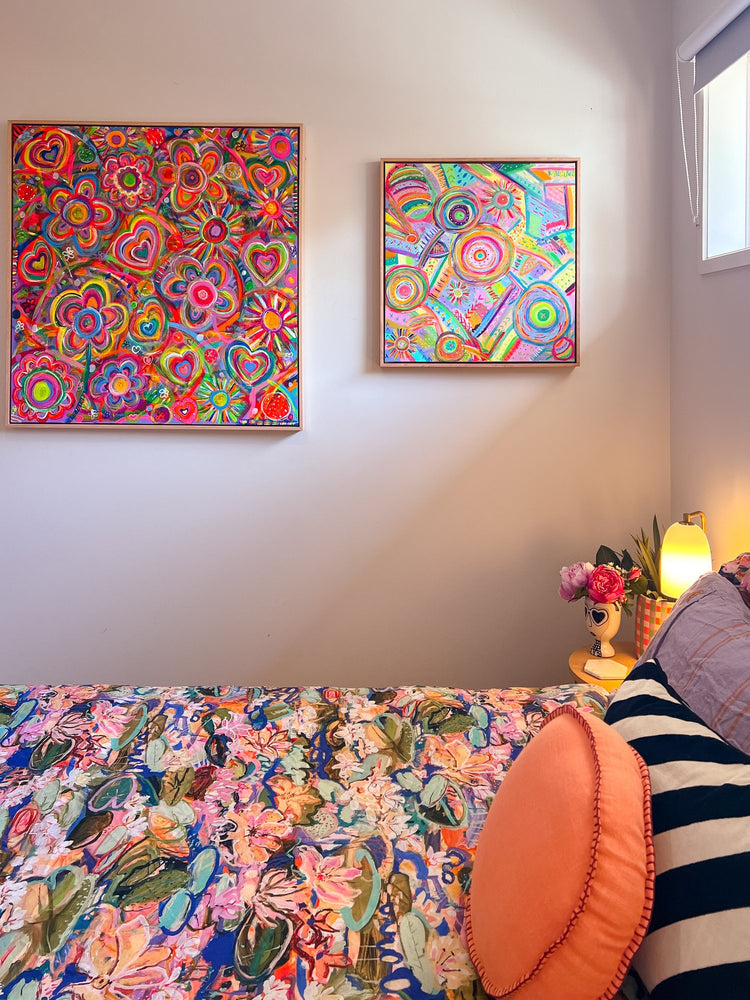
(624, 654)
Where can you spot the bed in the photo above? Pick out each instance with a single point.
(230, 842)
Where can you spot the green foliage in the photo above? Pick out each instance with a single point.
(648, 556)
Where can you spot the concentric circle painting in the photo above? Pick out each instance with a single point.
(155, 275)
(480, 262)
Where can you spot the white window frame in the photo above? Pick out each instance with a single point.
(735, 258)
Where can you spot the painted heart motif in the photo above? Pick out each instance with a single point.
(599, 616)
(48, 152)
(248, 368)
(185, 410)
(181, 364)
(138, 246)
(149, 324)
(266, 178)
(36, 262)
(267, 261)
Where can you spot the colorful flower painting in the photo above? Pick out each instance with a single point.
(155, 275)
(480, 262)
(287, 844)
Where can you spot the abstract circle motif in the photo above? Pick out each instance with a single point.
(275, 406)
(42, 388)
(563, 349)
(406, 287)
(542, 315)
(281, 146)
(449, 347)
(456, 209)
(483, 255)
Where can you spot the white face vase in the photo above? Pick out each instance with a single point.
(603, 622)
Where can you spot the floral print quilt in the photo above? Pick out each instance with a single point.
(187, 843)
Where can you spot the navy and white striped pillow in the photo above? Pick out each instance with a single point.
(698, 944)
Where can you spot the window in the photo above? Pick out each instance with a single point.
(726, 168)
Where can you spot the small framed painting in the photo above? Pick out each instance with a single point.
(479, 263)
(155, 275)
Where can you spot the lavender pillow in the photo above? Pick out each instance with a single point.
(704, 649)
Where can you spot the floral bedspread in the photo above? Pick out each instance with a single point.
(185, 843)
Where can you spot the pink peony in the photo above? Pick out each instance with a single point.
(606, 585)
(572, 578)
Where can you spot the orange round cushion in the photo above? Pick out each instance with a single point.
(562, 886)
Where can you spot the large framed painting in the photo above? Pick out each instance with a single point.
(155, 274)
(479, 263)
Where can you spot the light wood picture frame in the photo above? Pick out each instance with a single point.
(479, 263)
(155, 275)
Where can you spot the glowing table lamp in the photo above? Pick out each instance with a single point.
(685, 554)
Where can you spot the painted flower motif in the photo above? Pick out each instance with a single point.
(119, 384)
(211, 229)
(458, 291)
(279, 144)
(501, 203)
(450, 958)
(267, 743)
(462, 762)
(272, 893)
(274, 210)
(298, 803)
(88, 317)
(220, 400)
(121, 963)
(330, 880)
(206, 294)
(400, 344)
(193, 174)
(272, 321)
(107, 139)
(128, 180)
(258, 833)
(79, 217)
(42, 388)
(378, 798)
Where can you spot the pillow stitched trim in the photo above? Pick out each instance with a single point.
(642, 926)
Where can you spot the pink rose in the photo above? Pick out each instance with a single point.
(635, 574)
(572, 578)
(606, 585)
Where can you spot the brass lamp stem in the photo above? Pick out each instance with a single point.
(695, 513)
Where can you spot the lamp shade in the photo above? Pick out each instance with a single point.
(685, 555)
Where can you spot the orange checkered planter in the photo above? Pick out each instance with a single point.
(650, 612)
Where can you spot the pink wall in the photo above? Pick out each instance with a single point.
(414, 530)
(710, 364)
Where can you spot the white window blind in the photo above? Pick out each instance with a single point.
(717, 56)
(721, 52)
